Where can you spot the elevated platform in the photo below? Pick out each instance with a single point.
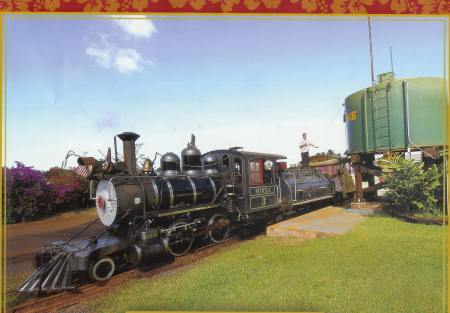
(330, 221)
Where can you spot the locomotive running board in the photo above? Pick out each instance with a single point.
(53, 276)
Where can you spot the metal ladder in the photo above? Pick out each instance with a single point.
(381, 127)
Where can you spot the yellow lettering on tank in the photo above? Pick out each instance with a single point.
(351, 116)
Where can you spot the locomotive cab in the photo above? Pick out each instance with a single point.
(263, 193)
(253, 176)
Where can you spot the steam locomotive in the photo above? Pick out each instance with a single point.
(148, 214)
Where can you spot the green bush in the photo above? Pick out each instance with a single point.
(411, 187)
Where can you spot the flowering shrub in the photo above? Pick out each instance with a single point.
(69, 188)
(27, 193)
(411, 187)
(30, 194)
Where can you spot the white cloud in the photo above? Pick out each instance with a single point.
(137, 26)
(102, 56)
(127, 60)
(123, 60)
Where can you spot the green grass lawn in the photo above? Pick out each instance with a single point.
(13, 282)
(382, 265)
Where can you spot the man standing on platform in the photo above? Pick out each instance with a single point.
(304, 148)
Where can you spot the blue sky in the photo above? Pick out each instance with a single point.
(72, 83)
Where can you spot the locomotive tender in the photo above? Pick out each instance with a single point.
(148, 215)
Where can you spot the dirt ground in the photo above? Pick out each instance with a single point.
(25, 239)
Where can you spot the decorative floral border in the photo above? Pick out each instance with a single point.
(435, 7)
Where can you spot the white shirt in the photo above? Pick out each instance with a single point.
(305, 148)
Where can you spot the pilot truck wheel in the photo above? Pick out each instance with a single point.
(102, 269)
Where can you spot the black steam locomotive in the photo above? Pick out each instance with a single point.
(150, 214)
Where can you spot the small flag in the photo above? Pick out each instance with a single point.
(81, 170)
(108, 160)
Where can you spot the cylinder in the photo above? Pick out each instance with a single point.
(147, 236)
(142, 251)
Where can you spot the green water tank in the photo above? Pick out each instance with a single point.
(396, 114)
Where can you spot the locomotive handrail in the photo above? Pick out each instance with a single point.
(82, 230)
(218, 193)
(90, 190)
(295, 186)
(202, 175)
(314, 179)
(279, 189)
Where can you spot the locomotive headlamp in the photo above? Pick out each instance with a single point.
(89, 169)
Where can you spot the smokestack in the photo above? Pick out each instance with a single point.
(129, 157)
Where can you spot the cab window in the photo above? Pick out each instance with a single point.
(268, 172)
(256, 172)
(238, 169)
(226, 161)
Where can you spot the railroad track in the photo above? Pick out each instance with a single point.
(84, 291)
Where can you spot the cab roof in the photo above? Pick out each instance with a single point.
(249, 155)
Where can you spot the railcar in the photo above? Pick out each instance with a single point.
(148, 214)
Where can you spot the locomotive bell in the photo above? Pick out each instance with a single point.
(148, 166)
